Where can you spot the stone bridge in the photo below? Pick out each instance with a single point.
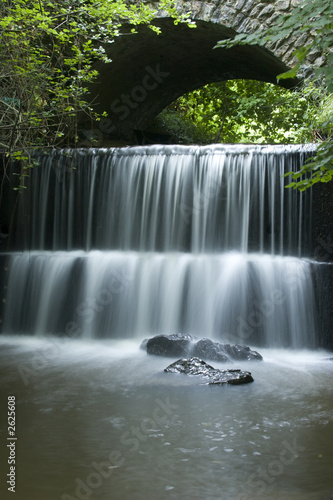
(149, 71)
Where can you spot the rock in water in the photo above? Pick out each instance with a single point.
(211, 376)
(215, 351)
(169, 345)
(186, 345)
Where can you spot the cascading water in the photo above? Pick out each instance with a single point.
(133, 242)
(110, 246)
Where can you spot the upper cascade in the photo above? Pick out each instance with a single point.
(198, 199)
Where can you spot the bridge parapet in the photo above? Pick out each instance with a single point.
(246, 16)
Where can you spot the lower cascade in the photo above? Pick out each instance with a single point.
(136, 242)
(233, 296)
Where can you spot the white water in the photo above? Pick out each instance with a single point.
(234, 297)
(142, 241)
(192, 199)
(199, 240)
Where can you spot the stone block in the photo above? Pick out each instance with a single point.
(266, 12)
(282, 5)
(240, 4)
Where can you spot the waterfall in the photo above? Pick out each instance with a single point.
(162, 199)
(132, 242)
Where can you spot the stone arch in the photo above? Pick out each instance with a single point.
(149, 71)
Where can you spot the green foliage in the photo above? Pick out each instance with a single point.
(239, 111)
(175, 123)
(320, 120)
(320, 167)
(47, 54)
(314, 19)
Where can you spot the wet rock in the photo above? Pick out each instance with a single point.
(207, 349)
(186, 345)
(216, 351)
(211, 376)
(170, 345)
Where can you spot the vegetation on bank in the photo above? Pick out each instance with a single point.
(311, 20)
(245, 111)
(47, 52)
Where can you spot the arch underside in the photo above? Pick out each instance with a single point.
(149, 71)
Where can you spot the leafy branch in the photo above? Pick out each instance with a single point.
(47, 55)
(311, 20)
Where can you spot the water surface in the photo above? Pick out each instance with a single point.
(100, 420)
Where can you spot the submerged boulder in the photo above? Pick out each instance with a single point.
(210, 375)
(188, 346)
